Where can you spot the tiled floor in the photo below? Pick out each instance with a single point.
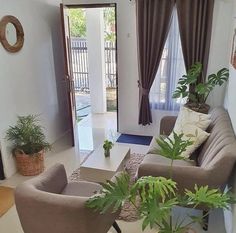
(92, 132)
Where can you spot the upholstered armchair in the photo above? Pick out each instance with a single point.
(51, 204)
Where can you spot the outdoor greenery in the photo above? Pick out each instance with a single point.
(78, 23)
(200, 91)
(27, 135)
(158, 195)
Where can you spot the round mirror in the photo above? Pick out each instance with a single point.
(11, 34)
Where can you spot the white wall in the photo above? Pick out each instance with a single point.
(128, 65)
(220, 46)
(230, 100)
(31, 81)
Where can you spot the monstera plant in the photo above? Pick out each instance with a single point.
(155, 197)
(195, 92)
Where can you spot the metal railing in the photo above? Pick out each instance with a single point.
(80, 64)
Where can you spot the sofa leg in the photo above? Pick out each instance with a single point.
(205, 220)
(116, 227)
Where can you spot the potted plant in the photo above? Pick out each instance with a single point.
(158, 195)
(29, 145)
(195, 92)
(107, 145)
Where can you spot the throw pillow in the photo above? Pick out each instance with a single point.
(195, 134)
(189, 117)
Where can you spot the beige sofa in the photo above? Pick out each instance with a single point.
(213, 162)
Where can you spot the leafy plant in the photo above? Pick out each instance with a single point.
(107, 145)
(27, 135)
(199, 92)
(158, 195)
(77, 22)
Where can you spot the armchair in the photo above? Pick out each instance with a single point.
(49, 204)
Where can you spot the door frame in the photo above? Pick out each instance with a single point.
(103, 5)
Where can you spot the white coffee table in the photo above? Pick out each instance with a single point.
(98, 168)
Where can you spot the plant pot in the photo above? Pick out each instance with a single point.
(107, 153)
(197, 107)
(29, 165)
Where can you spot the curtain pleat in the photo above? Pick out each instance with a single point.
(195, 24)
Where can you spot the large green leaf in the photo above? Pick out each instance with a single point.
(212, 198)
(193, 73)
(154, 212)
(219, 78)
(172, 148)
(112, 196)
(154, 187)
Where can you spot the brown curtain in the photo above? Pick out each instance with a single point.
(195, 24)
(153, 22)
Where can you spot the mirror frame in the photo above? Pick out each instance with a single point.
(19, 34)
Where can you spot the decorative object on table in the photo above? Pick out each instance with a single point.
(135, 139)
(197, 93)
(29, 145)
(11, 34)
(158, 195)
(107, 146)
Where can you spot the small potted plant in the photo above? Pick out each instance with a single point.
(107, 145)
(198, 92)
(29, 145)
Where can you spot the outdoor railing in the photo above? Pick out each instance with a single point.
(80, 64)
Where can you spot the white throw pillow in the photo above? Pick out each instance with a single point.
(195, 134)
(189, 117)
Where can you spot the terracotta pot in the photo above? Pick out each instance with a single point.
(29, 165)
(202, 108)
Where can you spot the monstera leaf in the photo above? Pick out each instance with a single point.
(219, 78)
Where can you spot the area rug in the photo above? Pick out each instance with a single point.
(135, 139)
(6, 199)
(128, 212)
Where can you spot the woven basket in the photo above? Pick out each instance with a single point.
(29, 165)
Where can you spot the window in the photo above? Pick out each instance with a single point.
(171, 68)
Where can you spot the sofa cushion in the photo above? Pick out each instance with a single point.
(153, 145)
(82, 189)
(190, 132)
(189, 117)
(158, 159)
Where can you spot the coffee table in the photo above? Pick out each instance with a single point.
(98, 168)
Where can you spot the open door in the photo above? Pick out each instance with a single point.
(68, 69)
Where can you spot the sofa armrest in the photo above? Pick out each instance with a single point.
(167, 124)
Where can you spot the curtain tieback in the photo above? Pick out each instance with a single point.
(144, 91)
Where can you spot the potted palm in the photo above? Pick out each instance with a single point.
(195, 92)
(29, 145)
(158, 195)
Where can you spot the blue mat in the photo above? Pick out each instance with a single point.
(135, 139)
